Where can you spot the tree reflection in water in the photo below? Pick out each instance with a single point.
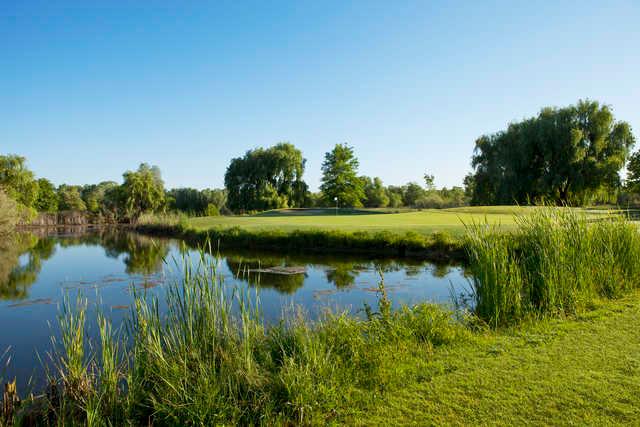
(22, 255)
(252, 271)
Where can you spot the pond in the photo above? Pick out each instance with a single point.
(108, 266)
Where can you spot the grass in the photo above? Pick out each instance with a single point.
(553, 338)
(434, 234)
(423, 222)
(555, 262)
(583, 370)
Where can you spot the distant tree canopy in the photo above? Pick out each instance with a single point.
(47, 200)
(375, 195)
(564, 154)
(94, 195)
(340, 177)
(265, 179)
(70, 198)
(197, 202)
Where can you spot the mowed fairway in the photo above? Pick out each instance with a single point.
(424, 222)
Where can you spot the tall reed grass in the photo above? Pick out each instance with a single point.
(556, 262)
(207, 358)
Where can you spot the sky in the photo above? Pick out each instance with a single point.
(89, 90)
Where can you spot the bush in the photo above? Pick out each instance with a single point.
(430, 201)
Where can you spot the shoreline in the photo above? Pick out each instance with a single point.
(438, 247)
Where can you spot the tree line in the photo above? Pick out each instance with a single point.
(570, 155)
(271, 178)
(22, 196)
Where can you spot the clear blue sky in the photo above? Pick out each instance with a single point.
(89, 89)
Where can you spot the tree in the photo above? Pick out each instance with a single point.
(469, 185)
(8, 214)
(216, 198)
(340, 177)
(563, 154)
(189, 200)
(429, 181)
(70, 198)
(17, 181)
(412, 193)
(142, 191)
(633, 173)
(47, 200)
(395, 195)
(375, 193)
(93, 195)
(266, 179)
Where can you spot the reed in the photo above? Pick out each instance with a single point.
(555, 263)
(207, 358)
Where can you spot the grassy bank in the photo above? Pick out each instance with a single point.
(430, 234)
(550, 337)
(424, 222)
(438, 246)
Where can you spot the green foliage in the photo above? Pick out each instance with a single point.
(142, 191)
(209, 360)
(429, 181)
(340, 181)
(212, 210)
(632, 183)
(557, 262)
(8, 214)
(47, 200)
(375, 195)
(411, 193)
(198, 203)
(17, 181)
(70, 198)
(395, 195)
(266, 179)
(94, 195)
(563, 154)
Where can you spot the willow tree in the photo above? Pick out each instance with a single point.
(142, 191)
(265, 179)
(564, 155)
(17, 181)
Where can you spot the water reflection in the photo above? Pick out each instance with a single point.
(21, 257)
(23, 254)
(38, 269)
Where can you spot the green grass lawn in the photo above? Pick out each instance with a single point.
(583, 371)
(425, 221)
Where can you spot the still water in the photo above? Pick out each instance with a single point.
(108, 266)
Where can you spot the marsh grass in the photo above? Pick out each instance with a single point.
(555, 263)
(207, 358)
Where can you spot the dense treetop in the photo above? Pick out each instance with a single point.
(563, 154)
(340, 181)
(266, 178)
